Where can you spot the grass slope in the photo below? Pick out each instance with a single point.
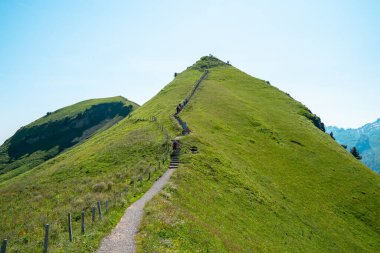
(265, 178)
(48, 136)
(108, 166)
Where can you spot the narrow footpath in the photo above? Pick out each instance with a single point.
(122, 237)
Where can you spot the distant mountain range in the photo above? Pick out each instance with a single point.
(366, 139)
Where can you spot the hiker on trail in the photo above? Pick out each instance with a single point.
(184, 126)
(175, 145)
(185, 101)
(177, 109)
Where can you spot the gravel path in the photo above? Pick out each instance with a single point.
(122, 236)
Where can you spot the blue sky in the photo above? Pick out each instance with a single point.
(326, 54)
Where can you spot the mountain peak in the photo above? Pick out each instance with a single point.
(207, 62)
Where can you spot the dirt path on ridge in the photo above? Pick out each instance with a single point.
(122, 237)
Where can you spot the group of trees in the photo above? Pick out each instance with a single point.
(354, 151)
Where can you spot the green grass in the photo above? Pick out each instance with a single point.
(265, 178)
(104, 167)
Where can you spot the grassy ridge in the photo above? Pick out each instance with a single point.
(73, 110)
(48, 136)
(265, 179)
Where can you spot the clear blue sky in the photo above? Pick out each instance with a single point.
(326, 54)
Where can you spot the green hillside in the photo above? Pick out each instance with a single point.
(266, 179)
(108, 166)
(56, 131)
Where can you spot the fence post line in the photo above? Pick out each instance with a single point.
(107, 206)
(82, 225)
(70, 227)
(46, 239)
(4, 246)
(100, 211)
(93, 213)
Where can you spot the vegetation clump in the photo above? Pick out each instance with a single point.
(313, 118)
(208, 62)
(355, 153)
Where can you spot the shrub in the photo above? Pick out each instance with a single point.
(99, 187)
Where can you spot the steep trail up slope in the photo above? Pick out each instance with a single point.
(265, 178)
(122, 237)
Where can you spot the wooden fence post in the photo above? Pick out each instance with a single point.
(107, 206)
(100, 211)
(93, 213)
(46, 239)
(149, 175)
(4, 246)
(82, 225)
(70, 227)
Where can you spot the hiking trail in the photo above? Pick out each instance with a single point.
(122, 237)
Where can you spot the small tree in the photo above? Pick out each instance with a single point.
(344, 146)
(175, 74)
(332, 135)
(355, 153)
